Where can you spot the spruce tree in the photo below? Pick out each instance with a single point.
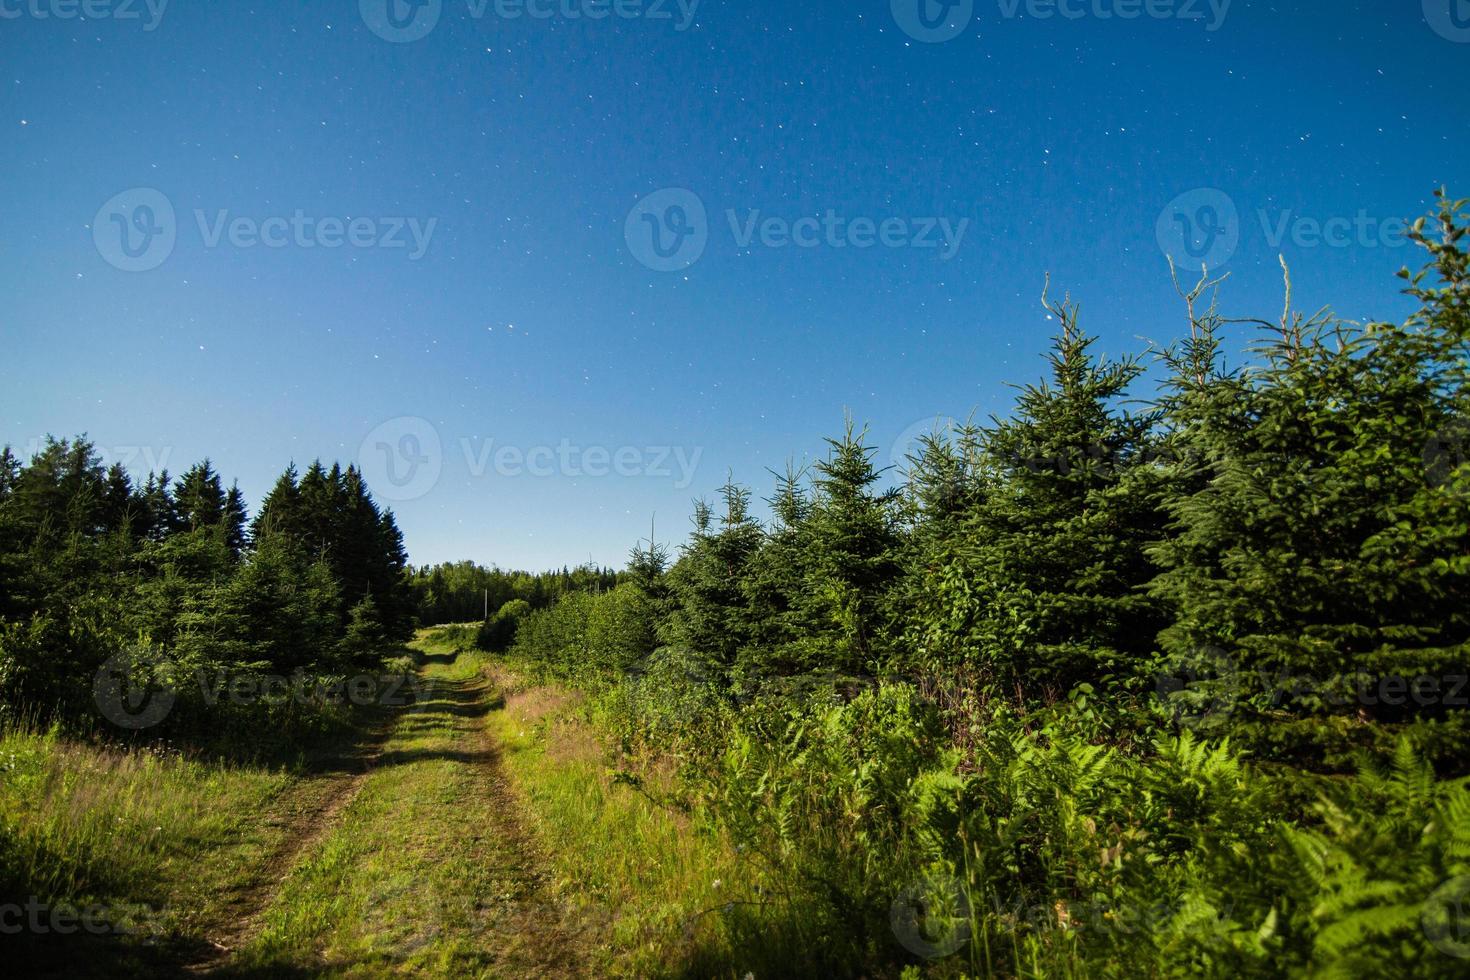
(851, 551)
(774, 586)
(1321, 551)
(711, 622)
(1046, 589)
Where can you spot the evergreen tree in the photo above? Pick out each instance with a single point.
(850, 559)
(1046, 586)
(1321, 554)
(234, 522)
(199, 498)
(365, 640)
(711, 621)
(774, 585)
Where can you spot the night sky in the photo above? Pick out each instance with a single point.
(545, 275)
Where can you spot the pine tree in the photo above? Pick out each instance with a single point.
(711, 621)
(1321, 551)
(199, 498)
(1046, 588)
(850, 560)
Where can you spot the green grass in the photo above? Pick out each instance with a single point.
(479, 832)
(665, 889)
(425, 871)
(149, 839)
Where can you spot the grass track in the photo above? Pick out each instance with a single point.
(477, 832)
(426, 869)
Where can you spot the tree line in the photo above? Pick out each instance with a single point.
(1165, 685)
(98, 569)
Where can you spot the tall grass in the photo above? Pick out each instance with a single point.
(664, 889)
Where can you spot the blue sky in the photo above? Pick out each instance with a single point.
(377, 245)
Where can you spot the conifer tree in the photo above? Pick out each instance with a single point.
(711, 621)
(199, 498)
(1321, 552)
(1047, 588)
(851, 548)
(235, 520)
(774, 584)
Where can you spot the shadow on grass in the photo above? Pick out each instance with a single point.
(351, 747)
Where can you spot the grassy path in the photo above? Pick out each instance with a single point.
(297, 820)
(416, 864)
(477, 831)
